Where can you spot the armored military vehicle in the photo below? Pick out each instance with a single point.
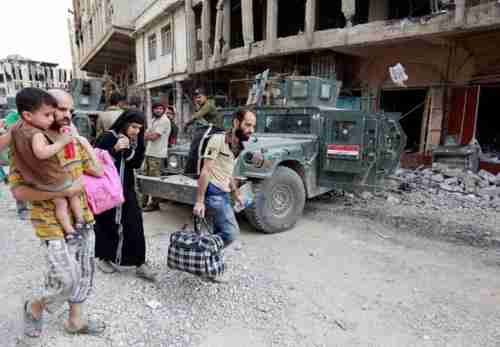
(310, 147)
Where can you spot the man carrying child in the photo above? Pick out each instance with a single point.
(36, 157)
(70, 265)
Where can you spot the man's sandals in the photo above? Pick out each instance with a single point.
(92, 327)
(32, 327)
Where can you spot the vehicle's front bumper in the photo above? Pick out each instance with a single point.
(178, 188)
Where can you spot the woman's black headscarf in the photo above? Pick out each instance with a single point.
(121, 125)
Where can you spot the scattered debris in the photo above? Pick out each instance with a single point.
(340, 324)
(153, 304)
(366, 195)
(393, 200)
(447, 203)
(385, 237)
(453, 185)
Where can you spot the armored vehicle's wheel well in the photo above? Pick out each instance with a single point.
(279, 201)
(298, 168)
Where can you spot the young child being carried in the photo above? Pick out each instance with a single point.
(35, 156)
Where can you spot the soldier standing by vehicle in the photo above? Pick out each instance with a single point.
(207, 112)
(216, 179)
(156, 151)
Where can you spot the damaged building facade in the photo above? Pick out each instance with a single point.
(17, 72)
(449, 50)
(103, 43)
(161, 54)
(138, 48)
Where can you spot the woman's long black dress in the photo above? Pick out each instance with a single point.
(133, 251)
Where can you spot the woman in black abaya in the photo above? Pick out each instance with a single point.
(120, 232)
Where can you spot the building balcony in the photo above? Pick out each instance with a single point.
(105, 39)
(350, 27)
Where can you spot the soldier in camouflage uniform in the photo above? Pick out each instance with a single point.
(207, 111)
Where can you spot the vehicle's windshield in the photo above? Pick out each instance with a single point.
(288, 124)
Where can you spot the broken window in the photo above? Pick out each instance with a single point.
(166, 40)
(362, 12)
(329, 15)
(213, 21)
(399, 9)
(197, 24)
(259, 19)
(488, 123)
(91, 31)
(291, 17)
(410, 103)
(152, 47)
(236, 25)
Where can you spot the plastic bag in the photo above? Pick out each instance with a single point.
(105, 192)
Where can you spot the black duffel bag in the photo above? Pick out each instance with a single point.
(197, 252)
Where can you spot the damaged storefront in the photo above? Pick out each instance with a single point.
(447, 103)
(488, 126)
(473, 112)
(473, 120)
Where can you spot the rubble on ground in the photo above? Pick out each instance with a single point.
(449, 204)
(450, 187)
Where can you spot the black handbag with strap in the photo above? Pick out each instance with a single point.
(197, 252)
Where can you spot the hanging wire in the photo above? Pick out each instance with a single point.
(412, 110)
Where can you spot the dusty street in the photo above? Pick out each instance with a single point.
(335, 280)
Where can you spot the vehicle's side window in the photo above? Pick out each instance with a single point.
(326, 91)
(300, 89)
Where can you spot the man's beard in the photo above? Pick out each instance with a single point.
(241, 135)
(57, 125)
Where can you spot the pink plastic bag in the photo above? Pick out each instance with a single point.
(105, 192)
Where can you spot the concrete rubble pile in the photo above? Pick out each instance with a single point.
(450, 187)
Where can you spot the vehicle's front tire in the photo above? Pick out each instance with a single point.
(279, 201)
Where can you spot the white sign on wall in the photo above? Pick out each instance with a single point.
(398, 74)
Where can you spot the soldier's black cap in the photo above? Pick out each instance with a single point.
(200, 91)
